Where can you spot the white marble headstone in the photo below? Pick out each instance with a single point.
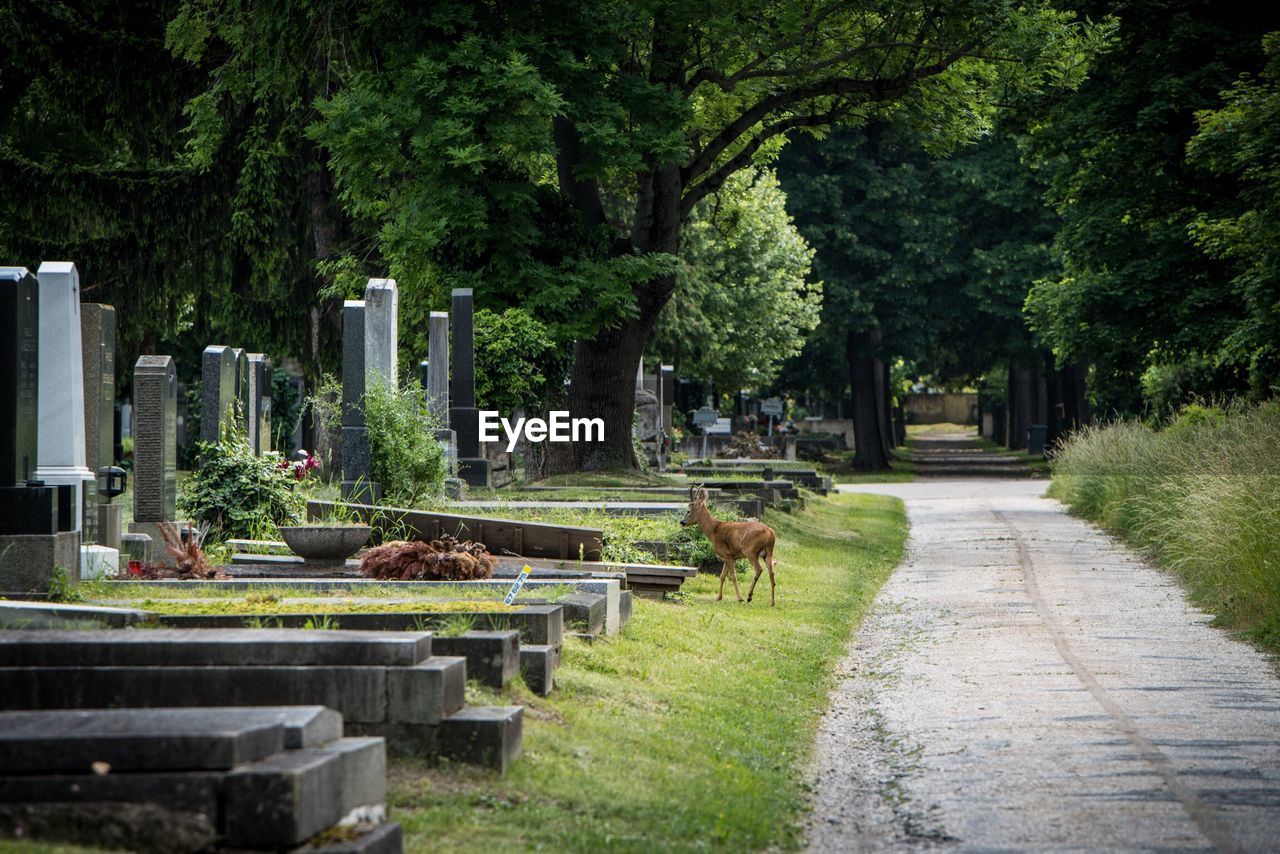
(61, 394)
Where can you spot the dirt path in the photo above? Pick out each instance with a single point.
(1025, 682)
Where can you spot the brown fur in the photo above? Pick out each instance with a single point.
(732, 540)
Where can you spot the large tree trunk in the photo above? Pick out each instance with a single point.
(1022, 405)
(866, 379)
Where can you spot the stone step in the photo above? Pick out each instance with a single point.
(535, 623)
(55, 742)
(364, 777)
(538, 663)
(45, 615)
(283, 800)
(387, 838)
(206, 647)
(493, 658)
(424, 693)
(491, 736)
(584, 612)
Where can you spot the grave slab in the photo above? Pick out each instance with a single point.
(44, 742)
(204, 647)
(484, 735)
(493, 658)
(386, 838)
(426, 692)
(364, 775)
(283, 800)
(538, 665)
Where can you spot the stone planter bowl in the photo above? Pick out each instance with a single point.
(325, 542)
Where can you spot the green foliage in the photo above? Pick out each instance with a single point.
(238, 494)
(1201, 496)
(516, 359)
(743, 300)
(406, 457)
(1238, 142)
(937, 254)
(60, 587)
(286, 410)
(1135, 288)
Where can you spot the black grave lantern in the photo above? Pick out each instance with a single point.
(111, 482)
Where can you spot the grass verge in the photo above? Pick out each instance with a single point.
(1201, 496)
(690, 730)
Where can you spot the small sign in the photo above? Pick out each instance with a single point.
(723, 426)
(772, 406)
(704, 416)
(515, 588)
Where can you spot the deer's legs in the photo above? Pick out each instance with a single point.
(724, 571)
(733, 573)
(759, 569)
(773, 585)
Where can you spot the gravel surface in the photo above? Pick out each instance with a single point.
(1025, 682)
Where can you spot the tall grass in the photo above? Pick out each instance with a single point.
(1201, 496)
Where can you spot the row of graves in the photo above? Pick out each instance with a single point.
(162, 715)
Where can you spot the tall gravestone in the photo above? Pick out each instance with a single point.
(32, 544)
(357, 465)
(259, 409)
(61, 420)
(436, 384)
(381, 333)
(98, 348)
(155, 451)
(217, 390)
(464, 418)
(241, 361)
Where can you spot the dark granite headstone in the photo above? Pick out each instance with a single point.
(357, 472)
(98, 354)
(259, 410)
(464, 418)
(217, 390)
(19, 375)
(241, 361)
(155, 484)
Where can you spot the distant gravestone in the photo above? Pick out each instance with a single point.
(61, 395)
(381, 333)
(155, 464)
(217, 390)
(241, 361)
(19, 375)
(437, 384)
(357, 463)
(667, 385)
(464, 418)
(259, 410)
(97, 346)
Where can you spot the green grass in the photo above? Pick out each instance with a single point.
(690, 730)
(619, 477)
(1201, 497)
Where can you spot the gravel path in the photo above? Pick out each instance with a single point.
(1025, 682)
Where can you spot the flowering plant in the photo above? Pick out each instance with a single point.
(303, 467)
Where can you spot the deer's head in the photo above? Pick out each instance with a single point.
(697, 505)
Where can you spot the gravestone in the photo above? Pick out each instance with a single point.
(155, 463)
(98, 345)
(259, 409)
(381, 335)
(241, 361)
(436, 384)
(667, 393)
(217, 390)
(464, 418)
(31, 544)
(357, 465)
(61, 394)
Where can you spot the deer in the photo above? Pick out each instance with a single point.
(750, 539)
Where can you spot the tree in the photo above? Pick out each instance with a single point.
(923, 259)
(1135, 289)
(1240, 142)
(555, 154)
(742, 302)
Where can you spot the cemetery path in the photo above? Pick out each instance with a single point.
(1026, 682)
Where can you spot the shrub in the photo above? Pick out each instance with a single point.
(405, 456)
(1202, 497)
(238, 494)
(516, 359)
